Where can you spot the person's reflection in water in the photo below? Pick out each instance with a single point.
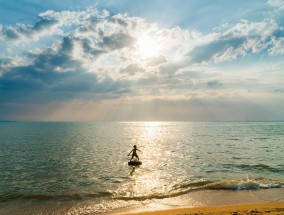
(132, 171)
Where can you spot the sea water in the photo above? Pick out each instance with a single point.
(81, 167)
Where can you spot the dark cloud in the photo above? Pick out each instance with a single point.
(117, 41)
(99, 35)
(132, 69)
(10, 33)
(170, 69)
(278, 90)
(118, 19)
(89, 48)
(206, 52)
(214, 83)
(55, 74)
(50, 61)
(44, 24)
(279, 33)
(14, 33)
(20, 79)
(3, 63)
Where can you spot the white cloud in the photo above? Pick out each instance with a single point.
(277, 46)
(70, 17)
(279, 4)
(241, 39)
(50, 23)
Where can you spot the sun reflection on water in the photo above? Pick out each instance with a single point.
(151, 130)
(147, 180)
(151, 137)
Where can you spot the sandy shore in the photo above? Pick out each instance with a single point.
(267, 201)
(253, 209)
(211, 202)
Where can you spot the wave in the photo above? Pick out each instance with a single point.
(255, 167)
(234, 139)
(261, 138)
(243, 185)
(173, 191)
(187, 187)
(246, 184)
(47, 197)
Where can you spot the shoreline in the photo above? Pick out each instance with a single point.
(240, 209)
(212, 202)
(267, 201)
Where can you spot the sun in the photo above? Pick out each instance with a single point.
(147, 47)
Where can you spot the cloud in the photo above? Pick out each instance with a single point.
(54, 74)
(132, 70)
(44, 24)
(279, 90)
(277, 47)
(242, 39)
(90, 49)
(94, 56)
(21, 32)
(50, 23)
(276, 3)
(224, 48)
(69, 18)
(65, 69)
(214, 83)
(154, 61)
(116, 41)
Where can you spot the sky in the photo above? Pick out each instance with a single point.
(142, 60)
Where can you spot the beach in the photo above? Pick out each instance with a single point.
(215, 202)
(267, 208)
(197, 203)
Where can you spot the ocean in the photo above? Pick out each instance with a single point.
(82, 167)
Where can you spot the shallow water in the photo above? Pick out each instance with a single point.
(70, 162)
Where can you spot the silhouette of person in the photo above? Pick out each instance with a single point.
(134, 154)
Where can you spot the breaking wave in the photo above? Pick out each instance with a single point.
(173, 191)
(187, 187)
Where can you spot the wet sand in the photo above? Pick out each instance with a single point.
(253, 209)
(212, 202)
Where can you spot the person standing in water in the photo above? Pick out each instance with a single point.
(134, 154)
